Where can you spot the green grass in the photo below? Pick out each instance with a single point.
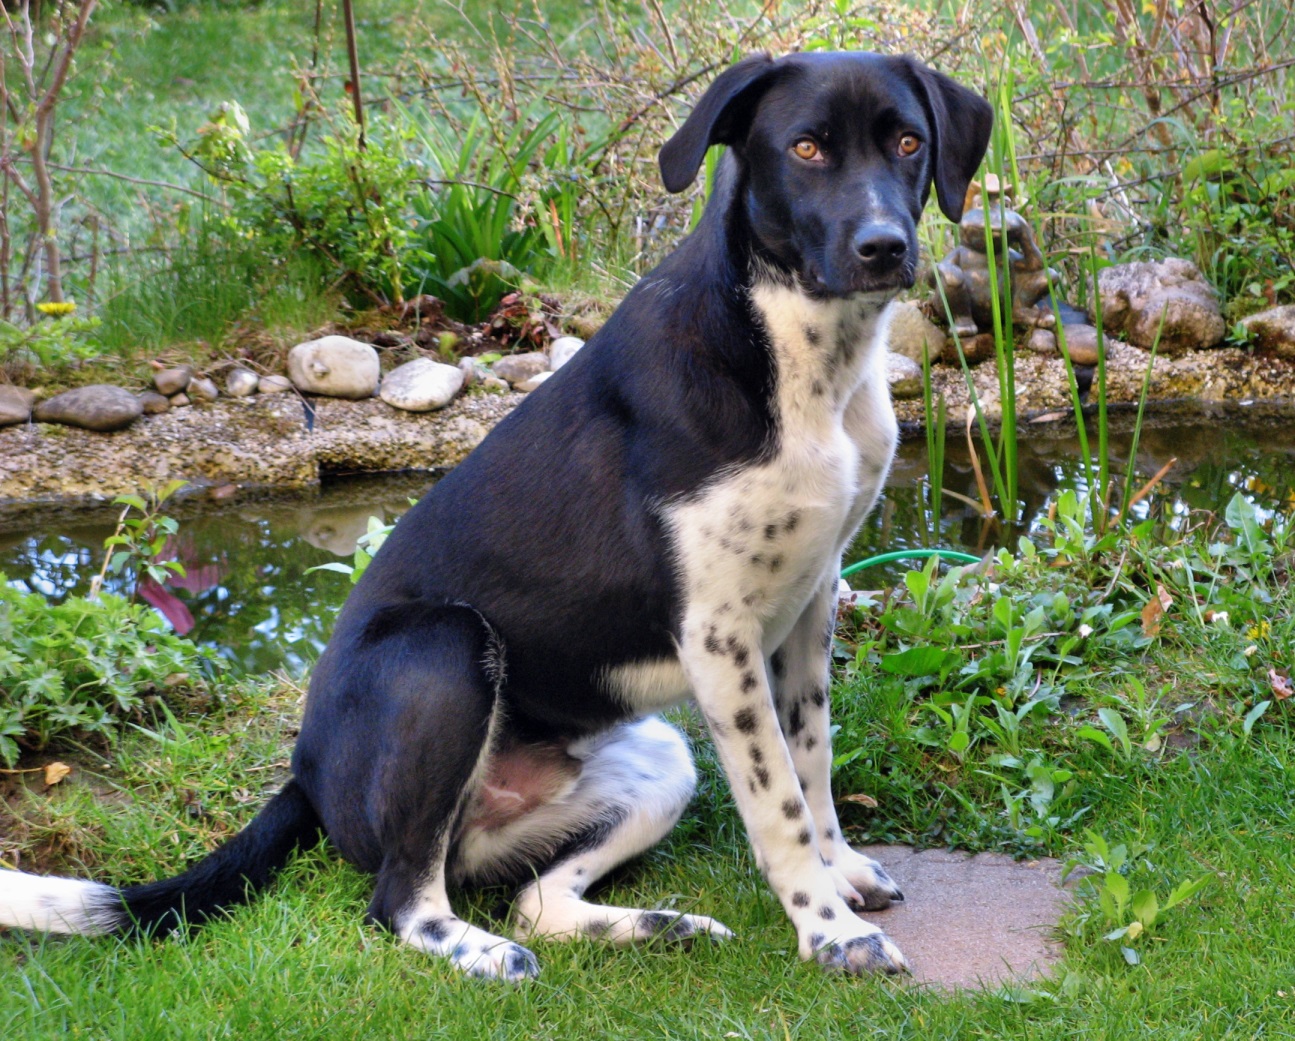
(1203, 785)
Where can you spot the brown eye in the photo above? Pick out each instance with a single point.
(806, 149)
(909, 144)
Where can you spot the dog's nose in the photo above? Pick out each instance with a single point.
(880, 247)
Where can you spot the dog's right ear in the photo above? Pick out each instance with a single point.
(712, 122)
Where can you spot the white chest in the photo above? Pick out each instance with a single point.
(755, 543)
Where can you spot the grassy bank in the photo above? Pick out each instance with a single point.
(1132, 692)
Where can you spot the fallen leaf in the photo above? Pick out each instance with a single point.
(861, 799)
(1154, 612)
(1280, 683)
(55, 772)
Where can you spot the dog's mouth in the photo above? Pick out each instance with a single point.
(814, 283)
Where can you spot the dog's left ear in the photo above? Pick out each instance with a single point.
(715, 120)
(962, 122)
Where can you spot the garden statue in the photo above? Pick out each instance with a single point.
(964, 273)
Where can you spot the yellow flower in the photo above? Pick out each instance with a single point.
(57, 310)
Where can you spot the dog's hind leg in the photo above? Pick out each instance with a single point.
(631, 785)
(801, 673)
(440, 676)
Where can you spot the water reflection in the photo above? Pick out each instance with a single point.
(246, 591)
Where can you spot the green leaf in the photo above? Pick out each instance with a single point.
(1240, 517)
(1252, 717)
(917, 661)
(1187, 890)
(1145, 907)
(1114, 722)
(1118, 886)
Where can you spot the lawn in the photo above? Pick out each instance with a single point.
(1149, 728)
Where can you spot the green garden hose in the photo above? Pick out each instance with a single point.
(911, 554)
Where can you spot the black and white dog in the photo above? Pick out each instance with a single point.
(663, 519)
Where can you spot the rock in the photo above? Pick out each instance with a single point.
(518, 368)
(912, 334)
(173, 380)
(526, 386)
(98, 407)
(180, 400)
(203, 389)
(1081, 343)
(15, 404)
(562, 350)
(471, 374)
(153, 403)
(241, 383)
(1134, 296)
(335, 366)
(1273, 330)
(495, 385)
(904, 376)
(273, 384)
(1042, 341)
(422, 385)
(976, 348)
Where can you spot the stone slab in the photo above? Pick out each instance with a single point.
(972, 921)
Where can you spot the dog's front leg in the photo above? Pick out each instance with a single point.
(725, 665)
(801, 673)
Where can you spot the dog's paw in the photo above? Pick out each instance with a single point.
(502, 960)
(863, 883)
(857, 955)
(678, 928)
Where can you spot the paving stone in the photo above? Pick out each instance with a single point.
(972, 921)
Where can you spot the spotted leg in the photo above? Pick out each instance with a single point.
(801, 672)
(722, 658)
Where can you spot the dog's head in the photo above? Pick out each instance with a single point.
(837, 155)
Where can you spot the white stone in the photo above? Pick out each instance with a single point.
(241, 383)
(912, 334)
(335, 366)
(273, 384)
(526, 386)
(562, 350)
(422, 385)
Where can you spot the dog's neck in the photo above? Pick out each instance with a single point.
(823, 349)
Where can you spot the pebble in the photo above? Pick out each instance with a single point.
(422, 385)
(273, 384)
(173, 380)
(99, 407)
(335, 366)
(180, 400)
(562, 350)
(904, 376)
(154, 403)
(518, 368)
(526, 386)
(203, 389)
(241, 383)
(15, 404)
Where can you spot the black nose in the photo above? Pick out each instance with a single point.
(880, 247)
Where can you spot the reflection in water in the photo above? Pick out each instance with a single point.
(246, 591)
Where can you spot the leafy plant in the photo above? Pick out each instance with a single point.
(140, 539)
(84, 665)
(1127, 914)
(366, 546)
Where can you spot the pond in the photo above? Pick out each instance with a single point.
(246, 590)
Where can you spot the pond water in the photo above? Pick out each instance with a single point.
(247, 593)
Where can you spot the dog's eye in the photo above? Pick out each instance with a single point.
(909, 144)
(806, 149)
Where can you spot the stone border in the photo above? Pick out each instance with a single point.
(279, 441)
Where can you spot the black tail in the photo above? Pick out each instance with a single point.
(231, 875)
